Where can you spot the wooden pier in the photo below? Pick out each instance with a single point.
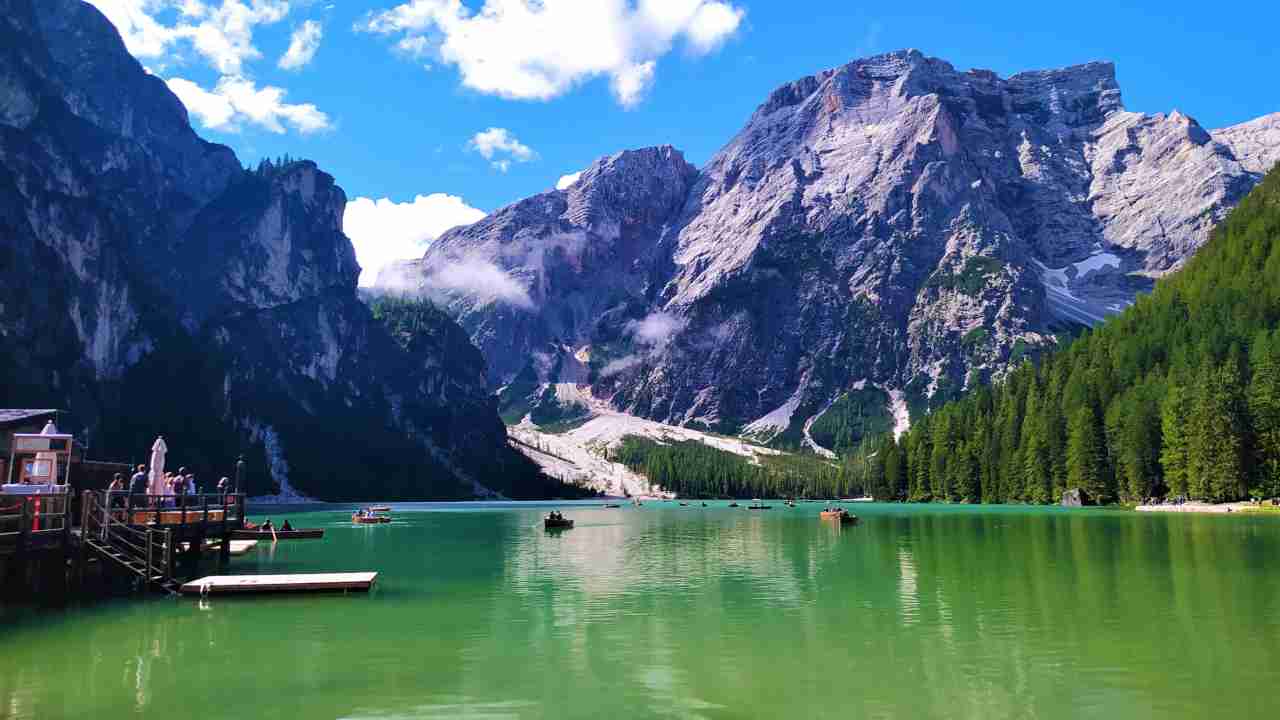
(146, 538)
(304, 582)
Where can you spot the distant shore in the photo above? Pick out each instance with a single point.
(1213, 508)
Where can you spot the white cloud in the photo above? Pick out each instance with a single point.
(501, 148)
(477, 279)
(302, 46)
(540, 49)
(657, 328)
(142, 34)
(567, 181)
(223, 33)
(237, 100)
(384, 231)
(622, 364)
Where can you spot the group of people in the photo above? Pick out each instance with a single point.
(268, 526)
(172, 485)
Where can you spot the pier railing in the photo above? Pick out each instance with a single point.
(165, 510)
(27, 520)
(143, 533)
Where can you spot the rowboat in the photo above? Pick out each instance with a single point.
(840, 514)
(757, 504)
(381, 508)
(551, 523)
(612, 505)
(303, 534)
(359, 519)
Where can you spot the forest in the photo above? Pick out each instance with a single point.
(1178, 396)
(694, 469)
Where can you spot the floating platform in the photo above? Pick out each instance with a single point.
(304, 582)
(238, 547)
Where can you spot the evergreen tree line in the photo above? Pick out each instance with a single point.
(697, 470)
(1177, 396)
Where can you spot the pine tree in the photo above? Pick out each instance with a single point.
(920, 463)
(1229, 480)
(1202, 434)
(1264, 414)
(894, 485)
(1175, 430)
(1085, 455)
(939, 459)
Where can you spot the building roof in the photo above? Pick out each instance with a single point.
(13, 417)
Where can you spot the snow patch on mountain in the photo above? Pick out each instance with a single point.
(901, 413)
(579, 455)
(808, 438)
(775, 421)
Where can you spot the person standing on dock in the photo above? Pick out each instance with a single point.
(138, 483)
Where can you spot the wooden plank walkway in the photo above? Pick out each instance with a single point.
(303, 582)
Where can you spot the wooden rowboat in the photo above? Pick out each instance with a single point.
(255, 534)
(551, 523)
(843, 516)
(370, 519)
(381, 508)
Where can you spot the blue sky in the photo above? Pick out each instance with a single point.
(406, 98)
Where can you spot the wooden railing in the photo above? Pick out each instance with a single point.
(142, 551)
(164, 510)
(142, 532)
(26, 519)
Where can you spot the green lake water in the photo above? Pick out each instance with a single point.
(668, 611)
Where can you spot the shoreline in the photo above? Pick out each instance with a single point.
(1210, 508)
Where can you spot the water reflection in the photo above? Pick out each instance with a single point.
(916, 612)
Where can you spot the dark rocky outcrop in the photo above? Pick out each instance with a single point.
(150, 284)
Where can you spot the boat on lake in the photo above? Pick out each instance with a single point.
(380, 508)
(362, 519)
(556, 521)
(758, 504)
(839, 514)
(612, 505)
(733, 504)
(299, 534)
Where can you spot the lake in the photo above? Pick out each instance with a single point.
(691, 612)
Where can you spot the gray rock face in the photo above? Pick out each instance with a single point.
(892, 222)
(536, 281)
(149, 284)
(1255, 143)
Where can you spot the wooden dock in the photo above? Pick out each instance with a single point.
(238, 547)
(304, 582)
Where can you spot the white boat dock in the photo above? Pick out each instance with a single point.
(303, 582)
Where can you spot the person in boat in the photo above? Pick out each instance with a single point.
(267, 526)
(286, 527)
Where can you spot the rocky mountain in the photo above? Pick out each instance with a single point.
(151, 285)
(893, 225)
